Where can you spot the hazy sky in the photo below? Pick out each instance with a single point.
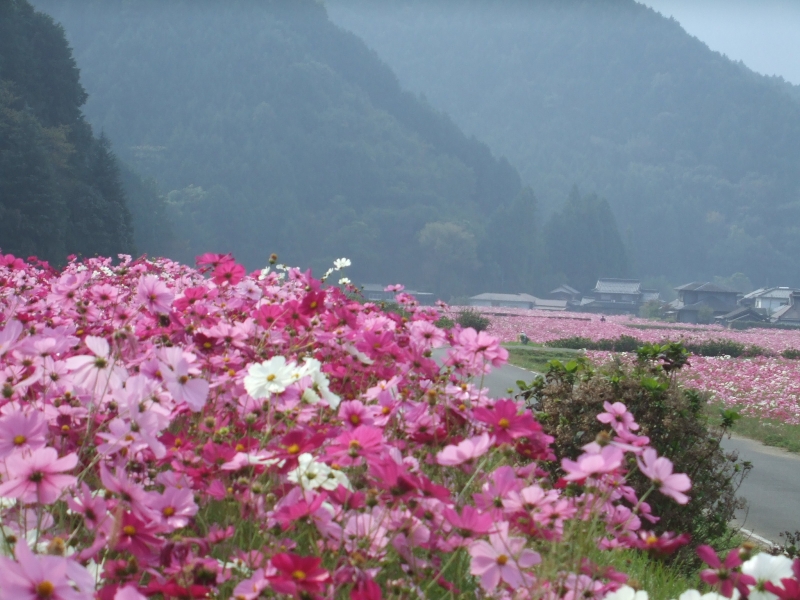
(764, 34)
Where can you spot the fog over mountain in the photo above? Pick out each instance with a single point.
(761, 34)
(697, 155)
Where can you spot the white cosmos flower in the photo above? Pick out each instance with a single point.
(341, 263)
(695, 595)
(765, 567)
(270, 377)
(344, 281)
(626, 593)
(309, 473)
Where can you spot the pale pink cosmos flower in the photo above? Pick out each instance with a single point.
(183, 387)
(38, 476)
(466, 451)
(96, 372)
(22, 432)
(34, 577)
(154, 294)
(9, 336)
(588, 465)
(502, 558)
(659, 470)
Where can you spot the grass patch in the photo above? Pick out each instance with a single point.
(535, 358)
(767, 431)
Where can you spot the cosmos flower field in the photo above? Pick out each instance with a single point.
(176, 432)
(764, 386)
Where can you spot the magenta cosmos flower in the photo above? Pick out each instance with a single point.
(659, 471)
(587, 465)
(37, 477)
(502, 558)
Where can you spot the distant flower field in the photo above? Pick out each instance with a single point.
(765, 386)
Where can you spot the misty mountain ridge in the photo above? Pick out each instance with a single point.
(697, 155)
(269, 129)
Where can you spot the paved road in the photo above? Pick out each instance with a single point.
(772, 488)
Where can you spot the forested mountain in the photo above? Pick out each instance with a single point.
(698, 157)
(60, 187)
(269, 129)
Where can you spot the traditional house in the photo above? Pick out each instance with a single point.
(703, 299)
(789, 314)
(743, 314)
(614, 296)
(517, 301)
(768, 299)
(565, 292)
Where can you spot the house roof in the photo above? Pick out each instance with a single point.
(618, 286)
(744, 311)
(712, 302)
(565, 288)
(790, 312)
(705, 286)
(504, 297)
(782, 293)
(550, 304)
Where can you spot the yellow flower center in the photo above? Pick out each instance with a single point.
(503, 423)
(293, 449)
(168, 511)
(271, 377)
(19, 440)
(355, 419)
(299, 575)
(45, 589)
(129, 530)
(502, 559)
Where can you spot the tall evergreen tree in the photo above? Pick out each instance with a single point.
(583, 241)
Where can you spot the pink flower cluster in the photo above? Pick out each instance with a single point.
(545, 326)
(763, 386)
(197, 433)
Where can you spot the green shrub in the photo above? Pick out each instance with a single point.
(624, 343)
(474, 319)
(569, 398)
(791, 354)
(445, 323)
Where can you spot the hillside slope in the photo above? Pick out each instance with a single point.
(60, 187)
(698, 156)
(271, 130)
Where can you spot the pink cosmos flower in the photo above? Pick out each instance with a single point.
(38, 477)
(659, 471)
(508, 423)
(34, 577)
(482, 346)
(22, 432)
(351, 447)
(154, 294)
(296, 574)
(618, 417)
(502, 558)
(228, 272)
(588, 465)
(726, 575)
(251, 588)
(466, 451)
(176, 507)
